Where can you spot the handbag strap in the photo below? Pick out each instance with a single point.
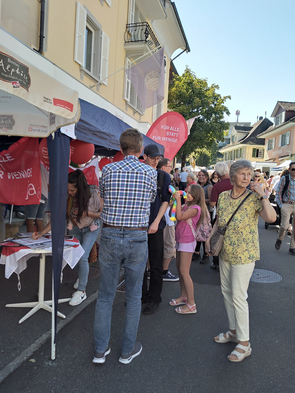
(227, 224)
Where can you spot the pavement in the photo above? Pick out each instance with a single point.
(179, 354)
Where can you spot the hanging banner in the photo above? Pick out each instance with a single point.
(20, 178)
(170, 130)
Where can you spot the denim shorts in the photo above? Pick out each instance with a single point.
(33, 212)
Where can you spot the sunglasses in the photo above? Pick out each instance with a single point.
(292, 169)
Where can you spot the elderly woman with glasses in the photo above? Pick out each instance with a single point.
(239, 252)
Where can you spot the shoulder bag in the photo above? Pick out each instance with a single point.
(216, 241)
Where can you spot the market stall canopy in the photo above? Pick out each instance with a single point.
(32, 103)
(285, 164)
(100, 127)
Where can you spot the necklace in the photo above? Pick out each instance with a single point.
(237, 196)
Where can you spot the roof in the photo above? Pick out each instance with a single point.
(252, 137)
(242, 128)
(272, 128)
(285, 105)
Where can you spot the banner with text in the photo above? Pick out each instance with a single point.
(20, 178)
(170, 130)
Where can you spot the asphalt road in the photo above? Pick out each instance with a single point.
(179, 354)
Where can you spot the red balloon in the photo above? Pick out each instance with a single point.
(118, 156)
(104, 161)
(81, 152)
(43, 152)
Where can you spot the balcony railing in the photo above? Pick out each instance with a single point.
(141, 32)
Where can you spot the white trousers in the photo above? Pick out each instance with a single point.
(234, 286)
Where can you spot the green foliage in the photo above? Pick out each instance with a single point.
(191, 96)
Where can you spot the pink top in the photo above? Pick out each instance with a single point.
(183, 232)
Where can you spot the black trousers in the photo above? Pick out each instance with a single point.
(156, 249)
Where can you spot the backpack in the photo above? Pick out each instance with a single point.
(287, 181)
(204, 230)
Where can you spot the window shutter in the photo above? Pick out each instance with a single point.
(240, 152)
(280, 141)
(288, 138)
(262, 153)
(131, 11)
(104, 61)
(109, 2)
(127, 82)
(80, 34)
(254, 152)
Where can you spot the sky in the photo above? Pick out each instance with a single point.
(246, 47)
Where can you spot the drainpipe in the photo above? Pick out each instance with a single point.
(42, 19)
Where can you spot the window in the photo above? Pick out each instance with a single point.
(257, 153)
(284, 139)
(271, 144)
(279, 119)
(91, 45)
(129, 92)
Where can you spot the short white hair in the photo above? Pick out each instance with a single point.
(221, 168)
(191, 175)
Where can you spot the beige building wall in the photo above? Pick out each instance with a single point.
(113, 20)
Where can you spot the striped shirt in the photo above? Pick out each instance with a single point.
(128, 188)
(289, 195)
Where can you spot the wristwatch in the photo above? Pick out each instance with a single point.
(263, 197)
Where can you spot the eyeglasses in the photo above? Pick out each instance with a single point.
(259, 176)
(292, 169)
(168, 166)
(154, 158)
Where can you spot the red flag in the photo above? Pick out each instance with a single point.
(148, 79)
(170, 130)
(20, 179)
(91, 172)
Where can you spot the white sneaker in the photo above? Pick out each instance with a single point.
(78, 297)
(76, 285)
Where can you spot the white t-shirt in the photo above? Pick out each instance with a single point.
(169, 222)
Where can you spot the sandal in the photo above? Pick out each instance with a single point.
(173, 302)
(192, 309)
(240, 356)
(226, 337)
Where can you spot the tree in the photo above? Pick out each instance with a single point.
(191, 96)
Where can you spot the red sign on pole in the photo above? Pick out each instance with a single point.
(170, 130)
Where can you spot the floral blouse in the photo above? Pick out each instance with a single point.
(241, 240)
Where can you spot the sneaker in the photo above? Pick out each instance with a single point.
(278, 244)
(126, 359)
(170, 277)
(100, 357)
(76, 285)
(78, 297)
(205, 259)
(292, 251)
(289, 233)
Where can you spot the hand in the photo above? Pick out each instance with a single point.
(207, 247)
(177, 196)
(36, 235)
(153, 228)
(255, 187)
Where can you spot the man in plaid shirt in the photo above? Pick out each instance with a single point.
(127, 188)
(286, 203)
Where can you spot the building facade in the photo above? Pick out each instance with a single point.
(86, 45)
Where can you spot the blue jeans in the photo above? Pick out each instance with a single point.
(119, 247)
(86, 239)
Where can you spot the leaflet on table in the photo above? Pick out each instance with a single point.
(29, 241)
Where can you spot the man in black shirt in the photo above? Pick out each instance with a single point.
(152, 295)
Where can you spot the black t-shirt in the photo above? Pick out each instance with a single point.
(155, 206)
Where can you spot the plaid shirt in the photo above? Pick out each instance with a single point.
(128, 188)
(289, 194)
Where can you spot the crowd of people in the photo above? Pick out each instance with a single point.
(133, 206)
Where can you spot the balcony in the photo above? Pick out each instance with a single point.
(139, 38)
(152, 9)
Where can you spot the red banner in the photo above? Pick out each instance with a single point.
(170, 130)
(20, 178)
